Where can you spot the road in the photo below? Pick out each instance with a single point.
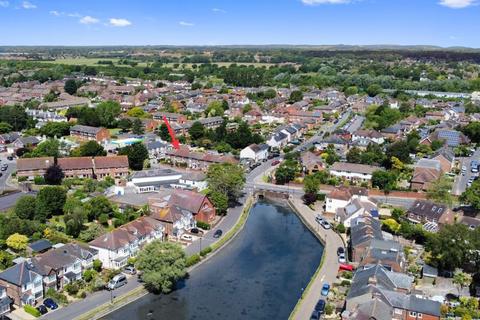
(460, 184)
(329, 268)
(12, 166)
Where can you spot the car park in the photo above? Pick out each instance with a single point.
(50, 303)
(130, 270)
(42, 309)
(218, 233)
(325, 289)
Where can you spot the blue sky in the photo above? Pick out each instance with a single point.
(217, 22)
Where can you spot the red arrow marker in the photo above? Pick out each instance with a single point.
(175, 142)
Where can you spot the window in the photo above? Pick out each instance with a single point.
(419, 315)
(412, 314)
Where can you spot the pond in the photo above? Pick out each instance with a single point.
(258, 275)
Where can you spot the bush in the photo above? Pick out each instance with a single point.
(103, 219)
(345, 283)
(22, 179)
(321, 196)
(88, 275)
(347, 274)
(329, 309)
(82, 295)
(205, 251)
(31, 310)
(97, 265)
(72, 288)
(59, 297)
(39, 180)
(192, 260)
(341, 228)
(203, 225)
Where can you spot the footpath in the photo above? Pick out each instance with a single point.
(328, 269)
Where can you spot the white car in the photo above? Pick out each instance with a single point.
(186, 237)
(341, 258)
(325, 224)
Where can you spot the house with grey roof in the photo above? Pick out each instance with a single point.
(5, 302)
(255, 152)
(23, 283)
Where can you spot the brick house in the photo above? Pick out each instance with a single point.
(198, 204)
(23, 283)
(89, 133)
(32, 167)
(114, 167)
(81, 167)
(423, 211)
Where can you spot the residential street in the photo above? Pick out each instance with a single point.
(460, 184)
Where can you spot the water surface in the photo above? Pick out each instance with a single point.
(259, 275)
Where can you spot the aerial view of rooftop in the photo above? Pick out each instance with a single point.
(240, 160)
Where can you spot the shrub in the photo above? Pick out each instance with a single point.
(22, 179)
(321, 196)
(88, 275)
(345, 283)
(82, 294)
(131, 261)
(192, 260)
(97, 265)
(203, 225)
(329, 309)
(347, 274)
(103, 219)
(39, 180)
(341, 228)
(31, 310)
(98, 284)
(72, 288)
(59, 297)
(205, 251)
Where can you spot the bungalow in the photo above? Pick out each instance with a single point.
(115, 247)
(89, 133)
(425, 173)
(353, 171)
(339, 144)
(311, 163)
(255, 152)
(32, 167)
(451, 138)
(23, 283)
(446, 157)
(423, 211)
(25, 142)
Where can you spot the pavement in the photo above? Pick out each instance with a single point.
(460, 184)
(329, 269)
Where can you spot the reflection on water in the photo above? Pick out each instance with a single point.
(259, 275)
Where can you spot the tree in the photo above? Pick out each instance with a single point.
(162, 265)
(197, 130)
(384, 180)
(89, 149)
(214, 108)
(137, 112)
(125, 124)
(5, 127)
(54, 175)
(55, 129)
(70, 86)
(107, 112)
(92, 232)
(440, 191)
(226, 178)
(472, 195)
(461, 280)
(354, 155)
(15, 116)
(25, 207)
(311, 184)
(472, 130)
(98, 206)
(285, 173)
(219, 200)
(50, 201)
(6, 260)
(374, 89)
(17, 242)
(163, 133)
(74, 222)
(136, 153)
(137, 127)
(48, 148)
(295, 96)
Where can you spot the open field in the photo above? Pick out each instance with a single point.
(89, 62)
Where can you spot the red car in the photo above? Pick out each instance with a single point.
(274, 163)
(345, 267)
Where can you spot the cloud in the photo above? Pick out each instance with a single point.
(186, 24)
(74, 15)
(218, 10)
(117, 22)
(28, 5)
(315, 2)
(457, 4)
(55, 13)
(4, 4)
(88, 20)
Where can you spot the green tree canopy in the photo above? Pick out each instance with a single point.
(50, 201)
(137, 153)
(107, 113)
(162, 265)
(25, 207)
(89, 149)
(227, 179)
(55, 129)
(54, 175)
(71, 86)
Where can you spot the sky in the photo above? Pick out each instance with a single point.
(226, 22)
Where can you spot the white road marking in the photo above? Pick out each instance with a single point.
(322, 278)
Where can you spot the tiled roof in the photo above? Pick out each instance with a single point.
(34, 163)
(111, 162)
(75, 163)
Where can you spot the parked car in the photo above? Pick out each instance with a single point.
(186, 237)
(50, 303)
(319, 219)
(130, 270)
(325, 224)
(341, 258)
(325, 289)
(4, 167)
(346, 267)
(340, 250)
(194, 230)
(315, 315)
(42, 309)
(218, 233)
(117, 281)
(275, 162)
(9, 158)
(320, 306)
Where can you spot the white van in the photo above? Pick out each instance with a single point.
(117, 281)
